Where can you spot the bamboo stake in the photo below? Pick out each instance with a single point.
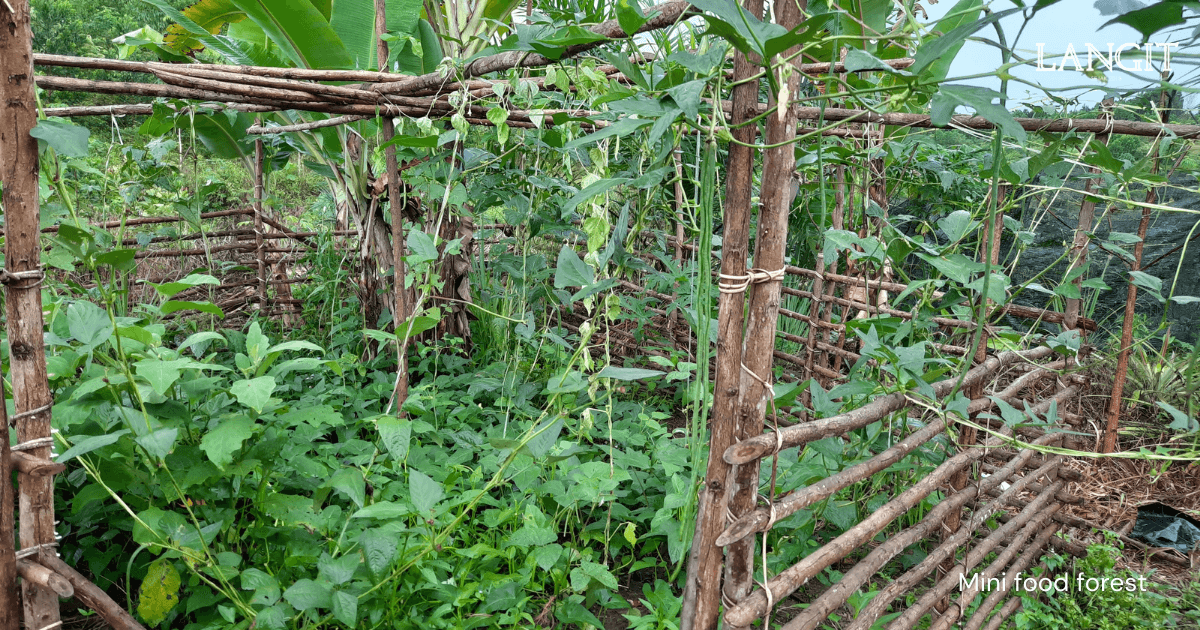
(23, 295)
(1109, 442)
(1087, 215)
(703, 590)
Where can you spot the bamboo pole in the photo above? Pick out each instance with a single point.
(1109, 441)
(703, 590)
(23, 295)
(1087, 215)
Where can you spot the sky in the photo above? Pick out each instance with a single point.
(1074, 22)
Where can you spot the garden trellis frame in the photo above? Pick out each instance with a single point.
(739, 443)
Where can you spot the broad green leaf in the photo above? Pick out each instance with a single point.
(159, 442)
(1154, 18)
(963, 13)
(532, 536)
(64, 137)
(547, 556)
(545, 436)
(354, 23)
(87, 445)
(295, 346)
(222, 442)
(301, 32)
(170, 289)
(340, 570)
(88, 324)
(421, 247)
(255, 392)
(630, 16)
(957, 224)
(600, 573)
(622, 127)
(119, 259)
(948, 44)
(350, 482)
(306, 594)
(424, 491)
(379, 550)
(225, 135)
(396, 435)
(980, 99)
(1147, 282)
(737, 26)
(571, 270)
(345, 608)
(159, 592)
(687, 97)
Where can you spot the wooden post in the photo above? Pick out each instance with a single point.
(1109, 442)
(779, 168)
(259, 255)
(400, 309)
(31, 391)
(702, 591)
(9, 611)
(1087, 215)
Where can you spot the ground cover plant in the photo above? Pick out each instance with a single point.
(543, 466)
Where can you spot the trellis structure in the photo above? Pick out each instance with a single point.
(721, 570)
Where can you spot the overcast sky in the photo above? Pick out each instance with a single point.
(1075, 22)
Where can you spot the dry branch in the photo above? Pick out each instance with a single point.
(47, 579)
(91, 595)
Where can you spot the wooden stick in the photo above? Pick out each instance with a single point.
(23, 298)
(91, 595)
(307, 126)
(1000, 617)
(702, 590)
(10, 615)
(756, 447)
(47, 579)
(1087, 212)
(258, 219)
(33, 465)
(786, 583)
(1109, 441)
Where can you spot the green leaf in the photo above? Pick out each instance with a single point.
(64, 137)
(571, 270)
(350, 482)
(600, 573)
(630, 16)
(119, 259)
(354, 23)
(936, 65)
(1147, 282)
(224, 134)
(379, 550)
(1180, 420)
(159, 442)
(737, 26)
(545, 436)
(547, 556)
(980, 99)
(858, 59)
(255, 392)
(687, 97)
(345, 608)
(843, 514)
(424, 491)
(179, 305)
(383, 510)
(948, 44)
(87, 445)
(222, 442)
(88, 324)
(1154, 18)
(396, 435)
(301, 32)
(306, 594)
(422, 247)
(338, 571)
(628, 374)
(159, 592)
(957, 224)
(532, 536)
(622, 127)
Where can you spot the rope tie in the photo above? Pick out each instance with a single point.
(34, 550)
(737, 284)
(9, 278)
(32, 412)
(34, 443)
